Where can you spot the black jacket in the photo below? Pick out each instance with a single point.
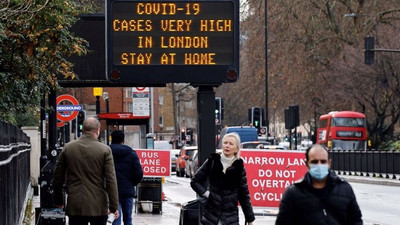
(336, 205)
(127, 168)
(226, 190)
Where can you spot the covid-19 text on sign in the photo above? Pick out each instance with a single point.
(163, 36)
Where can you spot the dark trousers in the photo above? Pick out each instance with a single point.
(125, 211)
(84, 220)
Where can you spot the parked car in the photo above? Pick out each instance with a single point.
(174, 152)
(181, 159)
(253, 144)
(305, 144)
(271, 140)
(284, 144)
(192, 164)
(271, 147)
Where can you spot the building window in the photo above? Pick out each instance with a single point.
(160, 121)
(160, 100)
(128, 92)
(130, 106)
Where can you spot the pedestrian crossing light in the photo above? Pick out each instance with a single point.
(256, 117)
(256, 123)
(79, 122)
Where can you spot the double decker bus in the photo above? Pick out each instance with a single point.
(343, 130)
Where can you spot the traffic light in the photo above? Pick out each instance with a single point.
(295, 115)
(79, 123)
(73, 128)
(218, 110)
(257, 117)
(292, 117)
(189, 136)
(288, 120)
(369, 53)
(182, 135)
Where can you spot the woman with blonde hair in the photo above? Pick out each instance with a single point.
(227, 187)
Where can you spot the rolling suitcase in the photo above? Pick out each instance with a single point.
(51, 216)
(191, 210)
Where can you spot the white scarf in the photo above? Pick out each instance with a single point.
(227, 162)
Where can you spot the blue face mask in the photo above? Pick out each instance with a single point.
(319, 171)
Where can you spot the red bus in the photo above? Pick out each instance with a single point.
(343, 130)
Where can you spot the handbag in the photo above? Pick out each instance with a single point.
(191, 210)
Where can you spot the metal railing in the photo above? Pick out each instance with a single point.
(14, 172)
(373, 163)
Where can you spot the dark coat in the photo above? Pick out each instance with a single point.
(336, 206)
(226, 190)
(128, 169)
(87, 167)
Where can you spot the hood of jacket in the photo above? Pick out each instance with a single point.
(120, 151)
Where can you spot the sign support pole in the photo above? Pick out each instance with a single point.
(46, 172)
(206, 124)
(206, 118)
(43, 132)
(52, 121)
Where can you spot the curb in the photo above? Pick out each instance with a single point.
(372, 180)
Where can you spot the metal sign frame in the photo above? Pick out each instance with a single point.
(157, 74)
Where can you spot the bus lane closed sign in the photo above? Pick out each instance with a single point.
(155, 163)
(270, 172)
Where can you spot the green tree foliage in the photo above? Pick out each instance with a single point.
(35, 42)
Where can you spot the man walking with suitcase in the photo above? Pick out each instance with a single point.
(87, 167)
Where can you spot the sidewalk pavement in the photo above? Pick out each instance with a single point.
(266, 216)
(170, 214)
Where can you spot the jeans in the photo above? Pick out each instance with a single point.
(125, 205)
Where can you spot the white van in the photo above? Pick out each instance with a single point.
(162, 145)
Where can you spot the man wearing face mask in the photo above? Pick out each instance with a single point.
(321, 197)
